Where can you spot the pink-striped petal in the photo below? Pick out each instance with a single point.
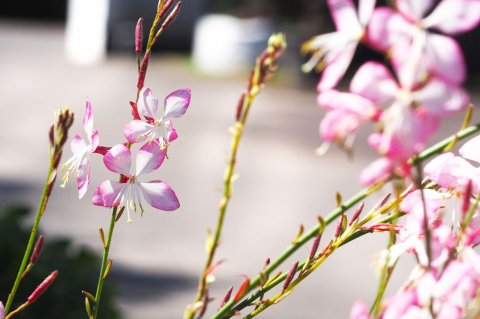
(471, 149)
(136, 131)
(176, 103)
(344, 16)
(441, 99)
(414, 10)
(147, 104)
(336, 68)
(454, 16)
(83, 176)
(160, 195)
(149, 157)
(107, 194)
(374, 82)
(88, 119)
(445, 58)
(452, 172)
(172, 132)
(94, 139)
(118, 159)
(77, 145)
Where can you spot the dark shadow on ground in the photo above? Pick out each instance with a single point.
(134, 284)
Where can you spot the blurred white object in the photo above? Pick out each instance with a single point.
(225, 45)
(86, 31)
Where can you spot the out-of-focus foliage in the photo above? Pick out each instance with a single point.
(77, 268)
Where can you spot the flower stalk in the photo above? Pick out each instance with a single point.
(264, 68)
(58, 135)
(227, 310)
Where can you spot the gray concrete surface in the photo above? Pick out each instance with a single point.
(157, 258)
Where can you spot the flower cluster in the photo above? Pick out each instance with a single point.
(154, 132)
(447, 275)
(408, 105)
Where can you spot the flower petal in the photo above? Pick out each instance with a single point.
(471, 149)
(365, 11)
(345, 16)
(135, 131)
(147, 104)
(337, 66)
(160, 195)
(375, 171)
(348, 102)
(386, 28)
(118, 159)
(88, 118)
(107, 194)
(359, 311)
(83, 176)
(454, 16)
(445, 58)
(94, 139)
(176, 103)
(2, 311)
(374, 82)
(77, 145)
(414, 9)
(149, 157)
(441, 99)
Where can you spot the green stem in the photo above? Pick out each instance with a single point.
(226, 310)
(106, 250)
(33, 234)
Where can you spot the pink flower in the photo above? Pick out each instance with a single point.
(345, 113)
(334, 51)
(80, 161)
(411, 113)
(359, 311)
(2, 311)
(128, 192)
(416, 51)
(454, 172)
(152, 126)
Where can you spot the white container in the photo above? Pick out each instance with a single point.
(86, 31)
(224, 45)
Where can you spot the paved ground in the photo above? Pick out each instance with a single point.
(157, 258)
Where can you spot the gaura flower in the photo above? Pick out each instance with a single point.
(2, 311)
(454, 172)
(80, 161)
(150, 126)
(333, 52)
(128, 192)
(411, 113)
(415, 51)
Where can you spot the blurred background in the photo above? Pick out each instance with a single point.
(57, 53)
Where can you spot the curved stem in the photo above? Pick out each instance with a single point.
(226, 310)
(103, 268)
(33, 234)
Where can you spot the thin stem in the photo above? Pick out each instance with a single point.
(226, 310)
(106, 250)
(33, 234)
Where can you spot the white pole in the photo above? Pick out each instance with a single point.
(86, 30)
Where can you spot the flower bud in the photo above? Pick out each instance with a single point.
(42, 287)
(37, 250)
(139, 36)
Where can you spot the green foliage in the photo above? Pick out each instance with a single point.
(77, 267)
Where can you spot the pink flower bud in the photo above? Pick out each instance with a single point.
(139, 36)
(37, 250)
(42, 287)
(227, 296)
